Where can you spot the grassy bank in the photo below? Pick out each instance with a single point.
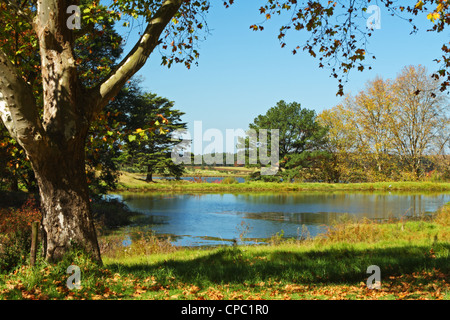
(218, 171)
(135, 182)
(413, 256)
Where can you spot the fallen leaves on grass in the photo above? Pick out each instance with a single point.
(418, 285)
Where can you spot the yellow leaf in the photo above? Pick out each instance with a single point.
(194, 289)
(433, 16)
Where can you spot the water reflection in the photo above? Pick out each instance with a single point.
(217, 218)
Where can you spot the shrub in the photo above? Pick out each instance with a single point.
(139, 244)
(277, 238)
(348, 230)
(15, 234)
(229, 180)
(443, 215)
(198, 179)
(111, 213)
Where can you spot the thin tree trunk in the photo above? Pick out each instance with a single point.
(149, 177)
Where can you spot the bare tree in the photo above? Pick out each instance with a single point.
(420, 116)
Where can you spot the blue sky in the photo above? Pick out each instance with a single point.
(242, 73)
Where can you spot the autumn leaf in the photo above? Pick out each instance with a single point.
(194, 289)
(433, 16)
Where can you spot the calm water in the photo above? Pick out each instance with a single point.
(196, 219)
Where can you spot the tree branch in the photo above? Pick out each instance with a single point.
(137, 57)
(17, 9)
(18, 106)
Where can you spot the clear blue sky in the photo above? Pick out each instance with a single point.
(242, 73)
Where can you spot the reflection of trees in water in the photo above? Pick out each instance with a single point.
(149, 202)
(297, 218)
(370, 205)
(197, 195)
(190, 216)
(300, 198)
(297, 207)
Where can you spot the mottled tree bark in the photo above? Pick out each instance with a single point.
(55, 142)
(63, 189)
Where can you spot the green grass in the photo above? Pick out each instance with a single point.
(413, 256)
(133, 182)
(218, 171)
(338, 256)
(331, 264)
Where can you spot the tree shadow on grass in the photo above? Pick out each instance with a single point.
(333, 266)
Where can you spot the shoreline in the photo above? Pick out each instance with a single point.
(412, 257)
(132, 183)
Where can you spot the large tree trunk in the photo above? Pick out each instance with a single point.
(54, 142)
(67, 219)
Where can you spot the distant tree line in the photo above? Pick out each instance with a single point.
(133, 133)
(392, 130)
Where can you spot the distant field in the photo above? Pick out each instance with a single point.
(218, 171)
(135, 182)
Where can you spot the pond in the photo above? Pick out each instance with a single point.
(202, 219)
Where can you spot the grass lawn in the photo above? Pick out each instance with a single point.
(413, 257)
(135, 182)
(218, 171)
